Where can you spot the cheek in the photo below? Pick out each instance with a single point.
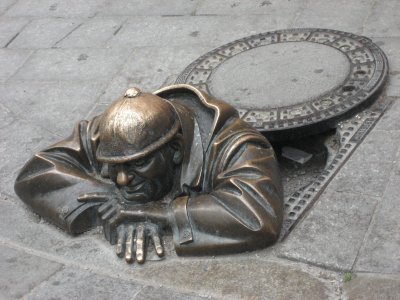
(157, 168)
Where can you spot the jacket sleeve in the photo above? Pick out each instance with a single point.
(52, 180)
(243, 209)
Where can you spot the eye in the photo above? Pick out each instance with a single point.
(141, 162)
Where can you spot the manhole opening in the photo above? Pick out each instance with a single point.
(301, 161)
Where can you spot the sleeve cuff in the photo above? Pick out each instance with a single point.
(182, 230)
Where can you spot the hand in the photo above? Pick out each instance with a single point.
(132, 241)
(110, 206)
(114, 211)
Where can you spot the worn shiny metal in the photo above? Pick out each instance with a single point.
(177, 161)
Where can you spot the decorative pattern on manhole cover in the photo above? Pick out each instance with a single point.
(288, 80)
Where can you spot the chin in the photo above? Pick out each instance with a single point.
(137, 197)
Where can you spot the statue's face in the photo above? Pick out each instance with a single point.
(146, 179)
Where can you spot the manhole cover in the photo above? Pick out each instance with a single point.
(298, 81)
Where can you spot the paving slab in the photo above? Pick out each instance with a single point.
(343, 15)
(11, 61)
(21, 272)
(73, 283)
(279, 10)
(361, 176)
(55, 8)
(237, 279)
(72, 64)
(30, 232)
(93, 33)
(5, 4)
(154, 293)
(199, 30)
(149, 67)
(6, 116)
(148, 8)
(379, 146)
(10, 28)
(393, 86)
(19, 141)
(372, 286)
(383, 20)
(333, 231)
(380, 253)
(391, 47)
(389, 120)
(53, 105)
(43, 33)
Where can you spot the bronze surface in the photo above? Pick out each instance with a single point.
(174, 162)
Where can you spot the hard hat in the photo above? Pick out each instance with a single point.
(134, 126)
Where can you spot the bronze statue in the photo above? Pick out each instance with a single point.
(174, 161)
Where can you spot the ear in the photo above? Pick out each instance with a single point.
(177, 147)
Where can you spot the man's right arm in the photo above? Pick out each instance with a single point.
(51, 182)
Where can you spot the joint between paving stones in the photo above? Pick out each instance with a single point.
(67, 35)
(41, 282)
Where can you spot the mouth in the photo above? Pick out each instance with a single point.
(133, 189)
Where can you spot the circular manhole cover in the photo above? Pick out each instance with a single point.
(296, 81)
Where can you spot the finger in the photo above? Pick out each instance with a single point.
(110, 213)
(104, 207)
(140, 241)
(94, 197)
(120, 245)
(129, 245)
(157, 243)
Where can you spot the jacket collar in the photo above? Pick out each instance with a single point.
(201, 117)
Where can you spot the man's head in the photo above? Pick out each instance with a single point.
(141, 143)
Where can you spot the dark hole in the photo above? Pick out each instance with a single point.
(349, 88)
(360, 72)
(296, 175)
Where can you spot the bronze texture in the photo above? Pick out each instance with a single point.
(176, 161)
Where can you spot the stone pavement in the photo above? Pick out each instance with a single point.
(61, 61)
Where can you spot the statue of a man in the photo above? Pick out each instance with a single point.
(174, 161)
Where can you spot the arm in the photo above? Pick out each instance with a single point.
(243, 211)
(53, 179)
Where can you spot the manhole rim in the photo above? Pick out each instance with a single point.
(312, 121)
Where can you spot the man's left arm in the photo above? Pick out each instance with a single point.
(242, 211)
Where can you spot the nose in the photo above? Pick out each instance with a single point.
(123, 178)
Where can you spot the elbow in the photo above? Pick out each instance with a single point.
(267, 233)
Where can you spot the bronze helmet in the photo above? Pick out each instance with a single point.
(134, 126)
